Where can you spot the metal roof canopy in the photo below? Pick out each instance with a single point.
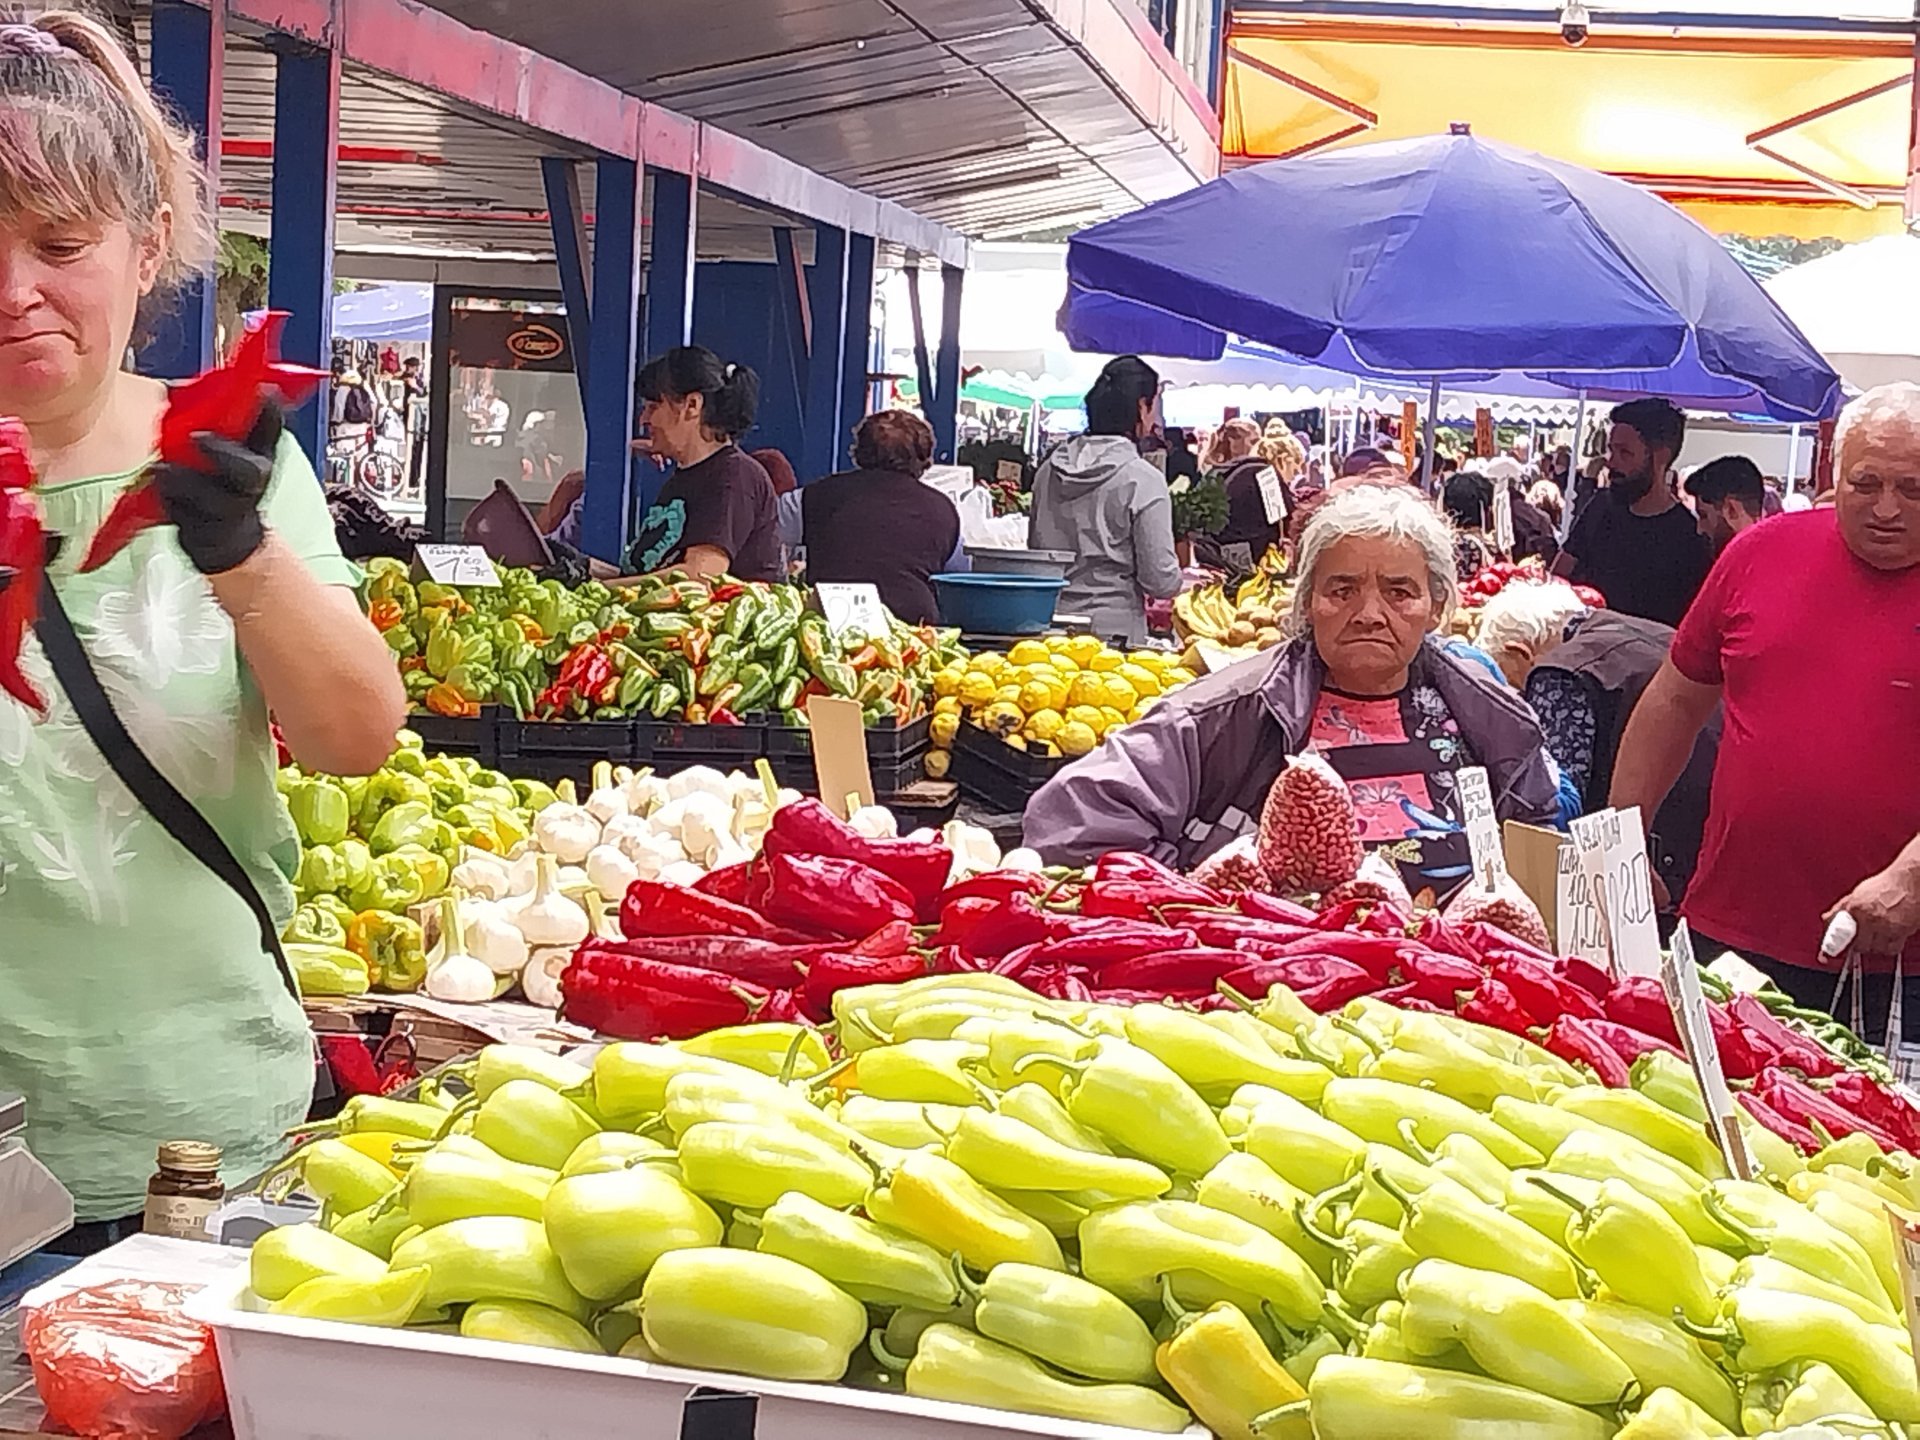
(453, 122)
(1760, 123)
(998, 117)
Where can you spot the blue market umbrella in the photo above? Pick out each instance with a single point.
(1448, 259)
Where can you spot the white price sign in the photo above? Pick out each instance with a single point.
(1482, 826)
(1680, 978)
(1576, 917)
(455, 565)
(853, 609)
(1613, 855)
(1273, 495)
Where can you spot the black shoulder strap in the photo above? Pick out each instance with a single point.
(176, 813)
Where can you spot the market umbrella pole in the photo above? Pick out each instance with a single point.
(1426, 438)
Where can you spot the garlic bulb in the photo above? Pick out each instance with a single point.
(653, 853)
(452, 974)
(646, 793)
(609, 870)
(607, 799)
(699, 780)
(547, 917)
(566, 831)
(1021, 858)
(683, 872)
(492, 938)
(480, 872)
(876, 822)
(540, 977)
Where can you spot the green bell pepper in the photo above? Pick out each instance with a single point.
(406, 824)
(389, 883)
(385, 791)
(312, 925)
(434, 871)
(327, 970)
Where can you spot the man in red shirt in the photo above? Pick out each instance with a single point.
(1808, 629)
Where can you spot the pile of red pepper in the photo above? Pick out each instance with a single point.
(1489, 580)
(825, 907)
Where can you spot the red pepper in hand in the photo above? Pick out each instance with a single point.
(1543, 994)
(833, 895)
(630, 998)
(23, 560)
(921, 867)
(840, 971)
(1791, 1131)
(1493, 1004)
(225, 401)
(1575, 1039)
(657, 907)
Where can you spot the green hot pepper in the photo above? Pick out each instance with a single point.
(1064, 1320)
(955, 1364)
(872, 1263)
(1358, 1399)
(719, 1309)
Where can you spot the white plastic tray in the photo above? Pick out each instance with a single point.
(290, 1379)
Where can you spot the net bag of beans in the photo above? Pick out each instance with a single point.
(1309, 837)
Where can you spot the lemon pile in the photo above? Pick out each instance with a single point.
(1058, 696)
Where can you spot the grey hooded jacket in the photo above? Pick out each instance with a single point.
(1095, 498)
(1192, 774)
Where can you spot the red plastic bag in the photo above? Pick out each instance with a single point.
(121, 1361)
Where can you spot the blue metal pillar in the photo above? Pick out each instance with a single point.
(306, 148)
(826, 446)
(922, 361)
(857, 344)
(188, 54)
(670, 265)
(945, 416)
(561, 175)
(616, 328)
(788, 373)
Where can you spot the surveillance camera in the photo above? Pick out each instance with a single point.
(1573, 23)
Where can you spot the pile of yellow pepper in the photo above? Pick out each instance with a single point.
(1137, 1216)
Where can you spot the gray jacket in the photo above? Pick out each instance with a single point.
(1096, 498)
(1193, 773)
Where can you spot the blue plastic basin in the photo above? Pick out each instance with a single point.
(998, 604)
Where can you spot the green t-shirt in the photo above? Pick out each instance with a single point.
(136, 1005)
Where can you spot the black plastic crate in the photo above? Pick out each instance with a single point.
(660, 743)
(477, 736)
(885, 743)
(981, 780)
(1022, 766)
(567, 740)
(796, 772)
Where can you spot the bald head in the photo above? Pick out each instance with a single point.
(1877, 476)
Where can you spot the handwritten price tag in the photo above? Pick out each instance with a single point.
(1680, 978)
(1483, 828)
(1273, 495)
(853, 609)
(1613, 854)
(1577, 924)
(456, 565)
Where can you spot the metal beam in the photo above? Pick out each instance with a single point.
(1474, 15)
(188, 62)
(616, 328)
(675, 229)
(561, 175)
(945, 418)
(790, 286)
(306, 142)
(922, 361)
(856, 355)
(827, 307)
(427, 48)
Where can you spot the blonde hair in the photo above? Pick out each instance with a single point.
(82, 139)
(1282, 451)
(1383, 512)
(1234, 440)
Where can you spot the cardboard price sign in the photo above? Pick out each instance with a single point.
(853, 609)
(1482, 826)
(455, 565)
(840, 753)
(1906, 1255)
(1613, 855)
(1680, 978)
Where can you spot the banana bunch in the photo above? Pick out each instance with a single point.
(1204, 613)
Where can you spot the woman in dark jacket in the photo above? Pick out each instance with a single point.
(878, 522)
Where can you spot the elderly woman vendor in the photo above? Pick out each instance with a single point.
(1364, 682)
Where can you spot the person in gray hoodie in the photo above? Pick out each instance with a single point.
(1098, 499)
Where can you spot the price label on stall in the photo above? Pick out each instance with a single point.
(1482, 826)
(1680, 978)
(853, 609)
(455, 565)
(1576, 926)
(1906, 1255)
(1273, 495)
(1613, 855)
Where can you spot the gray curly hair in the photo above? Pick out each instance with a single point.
(1382, 512)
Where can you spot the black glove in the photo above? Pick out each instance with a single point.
(218, 514)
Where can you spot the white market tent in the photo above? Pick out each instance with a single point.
(1860, 307)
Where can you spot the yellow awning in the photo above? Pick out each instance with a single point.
(1753, 133)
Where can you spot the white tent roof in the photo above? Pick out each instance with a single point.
(1860, 307)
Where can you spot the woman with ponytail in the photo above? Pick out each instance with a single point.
(140, 1007)
(717, 513)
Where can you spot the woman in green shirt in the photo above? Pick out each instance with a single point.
(136, 1005)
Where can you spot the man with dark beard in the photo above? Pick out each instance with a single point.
(1637, 544)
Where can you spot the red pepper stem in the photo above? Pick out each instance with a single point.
(885, 1358)
(1239, 1001)
(1583, 1211)
(1820, 1132)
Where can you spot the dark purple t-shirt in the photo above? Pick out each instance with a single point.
(725, 501)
